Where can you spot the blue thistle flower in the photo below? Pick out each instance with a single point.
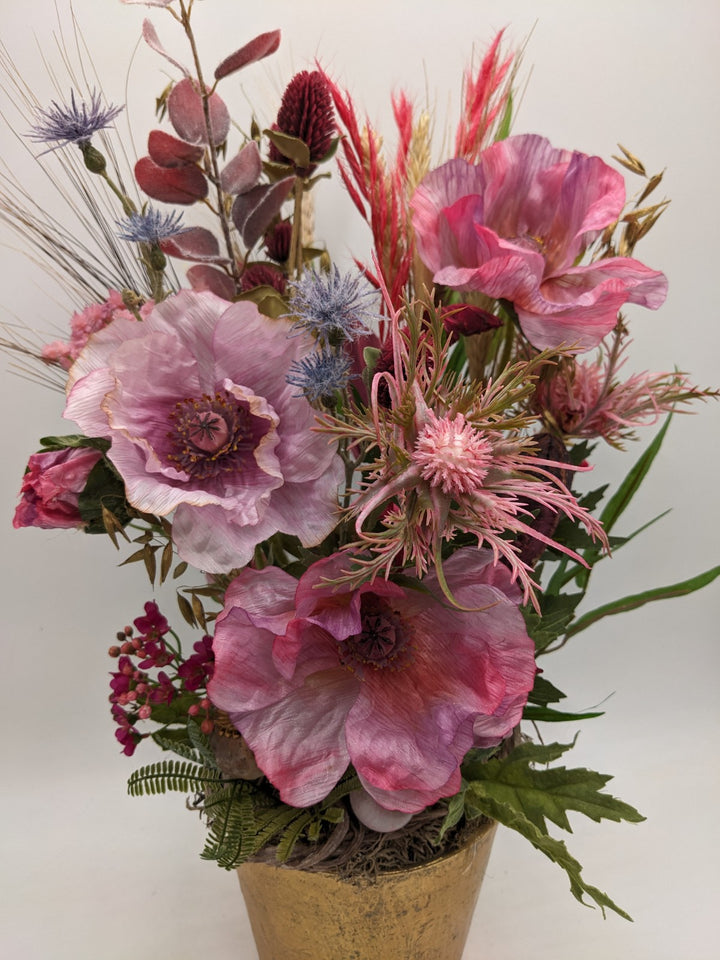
(75, 123)
(332, 306)
(320, 375)
(150, 227)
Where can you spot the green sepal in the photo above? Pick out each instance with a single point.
(268, 301)
(104, 493)
(75, 441)
(293, 148)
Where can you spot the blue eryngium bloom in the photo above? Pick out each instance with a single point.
(150, 227)
(61, 124)
(332, 306)
(320, 375)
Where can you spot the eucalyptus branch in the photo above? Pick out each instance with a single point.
(212, 150)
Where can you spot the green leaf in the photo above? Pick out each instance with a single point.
(514, 792)
(548, 792)
(557, 612)
(75, 441)
(170, 775)
(621, 499)
(104, 494)
(503, 130)
(544, 692)
(176, 741)
(456, 809)
(640, 599)
(548, 715)
(292, 147)
(556, 851)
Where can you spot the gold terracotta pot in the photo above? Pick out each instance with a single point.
(422, 913)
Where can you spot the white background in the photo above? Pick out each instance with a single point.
(90, 874)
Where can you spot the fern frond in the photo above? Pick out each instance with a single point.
(175, 775)
(176, 746)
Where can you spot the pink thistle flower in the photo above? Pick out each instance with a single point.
(586, 399)
(515, 226)
(384, 677)
(204, 426)
(454, 459)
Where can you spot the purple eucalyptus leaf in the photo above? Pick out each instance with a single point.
(153, 41)
(185, 108)
(243, 171)
(167, 151)
(196, 243)
(184, 185)
(254, 210)
(262, 46)
(215, 281)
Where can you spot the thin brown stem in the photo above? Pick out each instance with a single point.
(212, 150)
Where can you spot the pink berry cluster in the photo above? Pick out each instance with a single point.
(136, 694)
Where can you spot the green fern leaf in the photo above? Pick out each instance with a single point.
(167, 775)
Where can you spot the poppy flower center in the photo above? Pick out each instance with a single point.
(383, 640)
(210, 435)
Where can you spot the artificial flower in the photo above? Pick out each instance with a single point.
(388, 678)
(87, 321)
(515, 226)
(587, 399)
(207, 429)
(75, 122)
(52, 486)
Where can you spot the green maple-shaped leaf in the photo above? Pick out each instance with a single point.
(516, 792)
(547, 792)
(558, 853)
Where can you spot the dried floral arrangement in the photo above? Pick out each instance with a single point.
(371, 472)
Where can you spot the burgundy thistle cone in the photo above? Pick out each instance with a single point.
(262, 275)
(306, 112)
(277, 241)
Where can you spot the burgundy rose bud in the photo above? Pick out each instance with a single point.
(277, 241)
(306, 112)
(465, 319)
(51, 488)
(262, 275)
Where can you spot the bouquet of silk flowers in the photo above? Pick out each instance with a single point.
(364, 482)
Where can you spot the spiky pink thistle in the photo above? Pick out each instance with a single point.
(586, 399)
(453, 459)
(452, 454)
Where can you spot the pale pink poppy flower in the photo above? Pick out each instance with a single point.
(204, 426)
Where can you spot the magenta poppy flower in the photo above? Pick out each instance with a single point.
(391, 679)
(514, 227)
(204, 426)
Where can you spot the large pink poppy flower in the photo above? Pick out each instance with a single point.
(389, 678)
(515, 225)
(204, 424)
